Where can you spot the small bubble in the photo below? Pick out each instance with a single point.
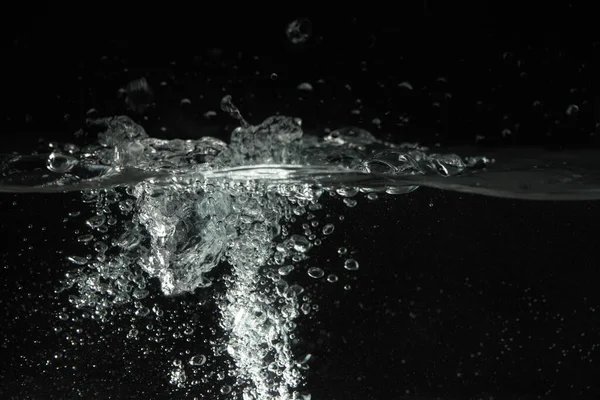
(60, 163)
(273, 76)
(132, 333)
(342, 251)
(351, 264)
(331, 278)
(225, 389)
(328, 229)
(299, 31)
(372, 196)
(85, 238)
(285, 270)
(305, 87)
(572, 109)
(300, 243)
(198, 360)
(77, 260)
(315, 272)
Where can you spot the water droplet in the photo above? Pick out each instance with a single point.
(305, 86)
(77, 260)
(331, 278)
(572, 109)
(342, 251)
(299, 31)
(228, 107)
(350, 202)
(139, 95)
(225, 389)
(351, 264)
(372, 196)
(85, 238)
(96, 221)
(60, 163)
(315, 272)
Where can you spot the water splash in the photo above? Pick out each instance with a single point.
(204, 202)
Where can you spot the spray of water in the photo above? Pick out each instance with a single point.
(205, 203)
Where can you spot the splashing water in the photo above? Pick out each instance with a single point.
(190, 205)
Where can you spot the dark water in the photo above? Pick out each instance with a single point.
(458, 295)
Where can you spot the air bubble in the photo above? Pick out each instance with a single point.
(85, 238)
(572, 109)
(77, 260)
(300, 243)
(328, 229)
(225, 389)
(60, 163)
(305, 87)
(315, 272)
(285, 270)
(351, 264)
(198, 360)
(350, 202)
(299, 31)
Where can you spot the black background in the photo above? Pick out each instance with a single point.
(457, 296)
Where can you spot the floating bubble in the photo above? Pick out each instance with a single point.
(96, 221)
(572, 109)
(77, 260)
(315, 272)
(351, 264)
(85, 238)
(328, 229)
(60, 163)
(198, 360)
(350, 202)
(285, 270)
(299, 31)
(139, 95)
(305, 86)
(301, 243)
